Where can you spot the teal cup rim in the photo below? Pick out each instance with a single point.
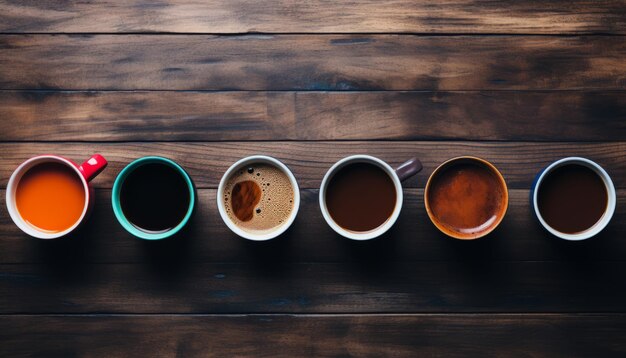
(117, 208)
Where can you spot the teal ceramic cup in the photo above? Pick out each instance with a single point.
(117, 191)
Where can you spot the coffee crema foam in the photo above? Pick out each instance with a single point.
(466, 197)
(258, 215)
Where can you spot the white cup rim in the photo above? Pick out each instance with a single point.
(610, 206)
(222, 209)
(12, 205)
(371, 234)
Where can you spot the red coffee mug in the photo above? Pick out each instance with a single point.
(84, 172)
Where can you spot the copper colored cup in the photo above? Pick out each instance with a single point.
(465, 196)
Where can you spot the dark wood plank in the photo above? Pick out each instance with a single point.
(235, 16)
(485, 115)
(146, 116)
(176, 116)
(519, 162)
(413, 238)
(485, 335)
(311, 62)
(180, 286)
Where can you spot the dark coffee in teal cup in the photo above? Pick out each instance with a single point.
(153, 198)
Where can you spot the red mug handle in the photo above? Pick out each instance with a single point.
(93, 166)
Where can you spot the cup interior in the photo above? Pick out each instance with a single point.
(481, 230)
(381, 229)
(13, 185)
(119, 184)
(242, 164)
(610, 190)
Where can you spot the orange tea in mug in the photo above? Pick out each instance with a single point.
(49, 196)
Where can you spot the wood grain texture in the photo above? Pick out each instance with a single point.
(210, 116)
(520, 83)
(146, 116)
(179, 286)
(484, 115)
(311, 62)
(413, 238)
(319, 335)
(519, 162)
(236, 16)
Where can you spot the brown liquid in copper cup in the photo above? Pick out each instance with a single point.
(466, 198)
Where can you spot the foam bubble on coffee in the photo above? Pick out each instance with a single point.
(258, 198)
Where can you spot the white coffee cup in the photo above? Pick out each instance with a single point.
(403, 172)
(610, 190)
(244, 164)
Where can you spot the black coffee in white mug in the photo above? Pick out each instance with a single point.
(574, 198)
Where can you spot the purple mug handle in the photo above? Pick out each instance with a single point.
(409, 168)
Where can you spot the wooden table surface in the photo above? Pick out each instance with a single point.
(519, 83)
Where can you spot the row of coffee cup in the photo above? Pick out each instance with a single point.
(258, 197)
